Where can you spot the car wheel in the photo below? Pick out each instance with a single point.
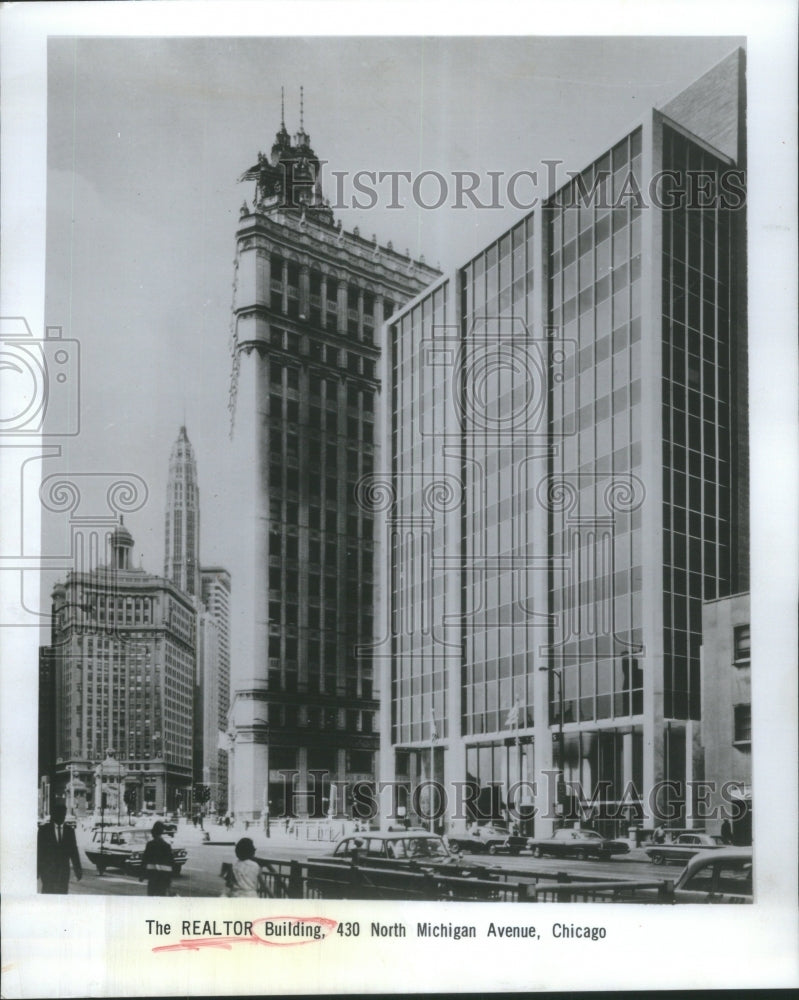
(538, 852)
(657, 859)
(177, 869)
(101, 869)
(492, 848)
(580, 855)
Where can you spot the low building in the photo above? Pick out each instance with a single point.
(727, 713)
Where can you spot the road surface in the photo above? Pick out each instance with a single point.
(201, 873)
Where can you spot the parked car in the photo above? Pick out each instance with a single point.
(684, 847)
(493, 838)
(721, 876)
(121, 848)
(580, 844)
(389, 857)
(415, 849)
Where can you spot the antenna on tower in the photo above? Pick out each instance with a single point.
(302, 109)
(283, 107)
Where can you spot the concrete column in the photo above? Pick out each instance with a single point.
(379, 320)
(360, 314)
(285, 303)
(263, 279)
(323, 300)
(305, 291)
(538, 663)
(249, 614)
(231, 780)
(341, 326)
(626, 758)
(383, 660)
(340, 778)
(651, 533)
(302, 800)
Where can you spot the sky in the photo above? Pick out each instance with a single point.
(147, 138)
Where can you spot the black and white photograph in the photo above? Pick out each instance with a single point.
(390, 546)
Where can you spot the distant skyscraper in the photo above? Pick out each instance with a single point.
(309, 307)
(182, 529)
(215, 583)
(211, 592)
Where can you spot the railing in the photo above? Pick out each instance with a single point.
(331, 878)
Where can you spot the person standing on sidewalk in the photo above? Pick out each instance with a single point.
(56, 849)
(157, 863)
(243, 877)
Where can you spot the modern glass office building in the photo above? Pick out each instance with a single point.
(566, 483)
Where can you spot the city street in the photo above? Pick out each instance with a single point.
(201, 873)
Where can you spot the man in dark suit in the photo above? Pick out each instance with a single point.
(56, 849)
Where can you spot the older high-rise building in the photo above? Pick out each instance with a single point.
(310, 300)
(565, 484)
(123, 644)
(182, 527)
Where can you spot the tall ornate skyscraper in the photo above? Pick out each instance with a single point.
(309, 305)
(210, 590)
(182, 529)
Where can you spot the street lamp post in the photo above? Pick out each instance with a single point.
(433, 738)
(558, 673)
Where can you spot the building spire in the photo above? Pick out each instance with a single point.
(283, 108)
(302, 109)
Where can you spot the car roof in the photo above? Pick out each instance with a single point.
(391, 835)
(719, 856)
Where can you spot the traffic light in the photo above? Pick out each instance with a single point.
(202, 794)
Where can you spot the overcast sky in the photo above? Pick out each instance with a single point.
(146, 140)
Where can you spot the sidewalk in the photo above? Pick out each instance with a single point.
(309, 836)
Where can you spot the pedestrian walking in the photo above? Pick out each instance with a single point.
(157, 863)
(243, 877)
(56, 850)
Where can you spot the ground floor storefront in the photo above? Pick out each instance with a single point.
(618, 781)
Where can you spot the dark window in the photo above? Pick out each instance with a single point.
(743, 723)
(742, 643)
